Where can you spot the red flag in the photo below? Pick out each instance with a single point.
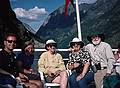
(67, 4)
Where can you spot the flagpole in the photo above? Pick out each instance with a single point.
(78, 21)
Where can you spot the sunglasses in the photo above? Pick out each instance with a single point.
(76, 43)
(11, 41)
(51, 45)
(95, 37)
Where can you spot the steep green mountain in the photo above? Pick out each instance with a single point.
(99, 17)
(10, 24)
(29, 28)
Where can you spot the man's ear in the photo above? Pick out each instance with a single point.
(5, 42)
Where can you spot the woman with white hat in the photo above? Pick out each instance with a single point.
(81, 74)
(52, 65)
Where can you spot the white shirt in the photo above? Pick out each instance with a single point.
(102, 53)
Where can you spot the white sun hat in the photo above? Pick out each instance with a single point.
(76, 40)
(50, 41)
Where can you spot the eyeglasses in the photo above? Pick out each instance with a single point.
(51, 45)
(94, 37)
(76, 43)
(11, 41)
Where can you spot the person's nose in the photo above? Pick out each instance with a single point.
(76, 45)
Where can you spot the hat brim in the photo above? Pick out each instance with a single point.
(102, 36)
(81, 44)
(46, 45)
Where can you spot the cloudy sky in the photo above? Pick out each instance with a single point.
(34, 12)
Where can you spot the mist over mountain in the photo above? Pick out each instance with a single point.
(99, 17)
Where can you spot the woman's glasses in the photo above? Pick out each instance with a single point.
(75, 43)
(11, 41)
(51, 45)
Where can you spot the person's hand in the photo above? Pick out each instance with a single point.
(50, 73)
(79, 77)
(52, 70)
(23, 77)
(31, 70)
(57, 72)
(71, 50)
(18, 79)
(107, 74)
(76, 65)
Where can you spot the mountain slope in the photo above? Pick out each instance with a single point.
(99, 17)
(29, 28)
(59, 27)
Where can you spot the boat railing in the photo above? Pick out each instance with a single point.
(60, 50)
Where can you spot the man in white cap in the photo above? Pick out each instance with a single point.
(102, 57)
(52, 65)
(81, 74)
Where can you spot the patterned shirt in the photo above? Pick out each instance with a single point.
(81, 57)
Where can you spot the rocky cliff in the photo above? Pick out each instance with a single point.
(10, 24)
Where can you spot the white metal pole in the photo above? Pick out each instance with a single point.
(78, 21)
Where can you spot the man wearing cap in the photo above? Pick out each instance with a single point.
(52, 65)
(102, 57)
(81, 74)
